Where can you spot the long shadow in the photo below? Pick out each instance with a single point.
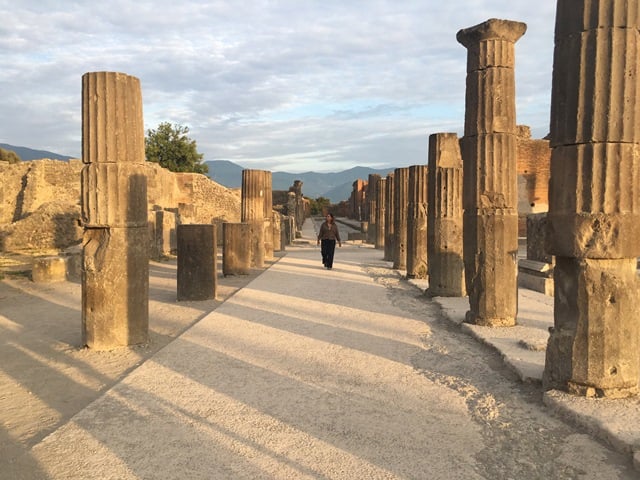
(16, 462)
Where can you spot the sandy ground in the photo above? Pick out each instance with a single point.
(46, 376)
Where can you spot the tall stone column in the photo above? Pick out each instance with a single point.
(372, 201)
(381, 191)
(115, 276)
(594, 208)
(444, 217)
(401, 200)
(490, 195)
(268, 216)
(389, 213)
(417, 223)
(252, 212)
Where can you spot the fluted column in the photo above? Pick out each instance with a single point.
(444, 217)
(389, 213)
(594, 199)
(417, 222)
(252, 212)
(381, 191)
(490, 195)
(115, 276)
(268, 216)
(372, 197)
(401, 200)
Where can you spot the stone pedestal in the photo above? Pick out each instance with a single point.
(49, 269)
(444, 217)
(115, 277)
(236, 249)
(594, 208)
(197, 258)
(401, 200)
(417, 266)
(490, 195)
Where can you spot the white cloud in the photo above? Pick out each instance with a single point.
(279, 85)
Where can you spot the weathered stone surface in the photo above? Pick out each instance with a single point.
(197, 258)
(114, 194)
(49, 269)
(278, 237)
(417, 265)
(490, 172)
(372, 207)
(401, 200)
(490, 258)
(115, 293)
(254, 183)
(594, 348)
(165, 235)
(268, 216)
(236, 250)
(381, 207)
(536, 238)
(389, 222)
(576, 17)
(444, 217)
(112, 125)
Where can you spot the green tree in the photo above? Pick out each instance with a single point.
(9, 156)
(318, 205)
(170, 146)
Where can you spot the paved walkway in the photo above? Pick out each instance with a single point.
(278, 383)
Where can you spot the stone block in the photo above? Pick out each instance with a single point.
(536, 238)
(114, 195)
(115, 293)
(49, 269)
(594, 348)
(236, 249)
(197, 259)
(533, 282)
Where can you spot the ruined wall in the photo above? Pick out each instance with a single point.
(40, 201)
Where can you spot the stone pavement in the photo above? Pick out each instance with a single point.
(216, 404)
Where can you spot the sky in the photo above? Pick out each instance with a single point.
(280, 85)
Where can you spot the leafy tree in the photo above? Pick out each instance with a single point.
(9, 156)
(170, 146)
(318, 205)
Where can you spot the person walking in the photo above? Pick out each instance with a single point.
(328, 235)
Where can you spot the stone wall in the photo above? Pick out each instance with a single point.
(40, 202)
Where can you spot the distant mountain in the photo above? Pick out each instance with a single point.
(27, 154)
(335, 186)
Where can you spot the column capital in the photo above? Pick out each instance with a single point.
(492, 29)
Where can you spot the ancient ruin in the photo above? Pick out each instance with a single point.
(401, 200)
(254, 185)
(372, 207)
(381, 190)
(444, 217)
(115, 280)
(490, 174)
(389, 222)
(417, 266)
(594, 210)
(197, 262)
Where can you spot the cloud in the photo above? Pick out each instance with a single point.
(272, 84)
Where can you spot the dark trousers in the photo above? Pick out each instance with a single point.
(327, 248)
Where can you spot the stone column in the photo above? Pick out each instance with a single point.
(594, 208)
(389, 212)
(278, 237)
(252, 212)
(417, 222)
(444, 217)
(490, 195)
(268, 216)
(236, 249)
(401, 200)
(115, 276)
(381, 191)
(372, 197)
(197, 258)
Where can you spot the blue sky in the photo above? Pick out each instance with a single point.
(277, 85)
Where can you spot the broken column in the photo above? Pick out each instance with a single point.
(236, 249)
(252, 212)
(389, 213)
(268, 216)
(372, 208)
(401, 199)
(444, 217)
(381, 191)
(417, 222)
(490, 195)
(197, 258)
(115, 276)
(594, 208)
